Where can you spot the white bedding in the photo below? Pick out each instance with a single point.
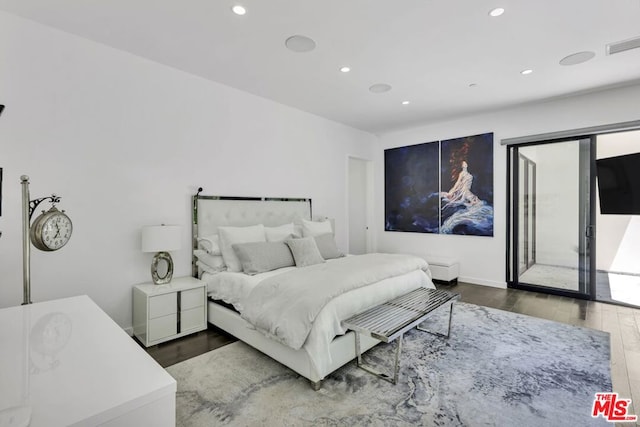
(233, 288)
(285, 306)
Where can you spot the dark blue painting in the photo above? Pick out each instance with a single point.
(411, 188)
(466, 205)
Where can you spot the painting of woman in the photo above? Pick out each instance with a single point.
(467, 208)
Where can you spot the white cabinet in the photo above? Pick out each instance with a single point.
(66, 363)
(164, 312)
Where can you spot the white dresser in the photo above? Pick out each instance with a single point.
(165, 312)
(66, 363)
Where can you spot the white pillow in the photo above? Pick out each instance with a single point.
(280, 233)
(213, 262)
(211, 244)
(315, 228)
(206, 268)
(231, 235)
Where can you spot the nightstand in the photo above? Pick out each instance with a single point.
(165, 312)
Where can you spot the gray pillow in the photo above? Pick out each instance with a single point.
(327, 246)
(258, 257)
(305, 251)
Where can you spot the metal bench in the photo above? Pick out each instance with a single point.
(389, 321)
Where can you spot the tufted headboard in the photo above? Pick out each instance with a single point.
(210, 212)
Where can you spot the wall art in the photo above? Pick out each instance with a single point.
(466, 202)
(441, 187)
(412, 188)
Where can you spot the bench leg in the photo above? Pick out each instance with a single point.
(371, 370)
(448, 327)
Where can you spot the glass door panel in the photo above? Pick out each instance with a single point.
(552, 193)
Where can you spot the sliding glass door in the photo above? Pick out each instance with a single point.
(550, 230)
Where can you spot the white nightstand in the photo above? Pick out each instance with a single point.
(165, 312)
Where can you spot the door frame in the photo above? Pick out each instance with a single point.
(369, 195)
(530, 207)
(512, 236)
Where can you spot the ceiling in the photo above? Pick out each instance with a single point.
(447, 57)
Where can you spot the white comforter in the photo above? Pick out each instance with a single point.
(285, 306)
(234, 288)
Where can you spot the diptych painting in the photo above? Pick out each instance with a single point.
(441, 187)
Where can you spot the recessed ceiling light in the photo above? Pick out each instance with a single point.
(496, 12)
(380, 88)
(345, 69)
(525, 72)
(300, 43)
(239, 10)
(406, 102)
(577, 58)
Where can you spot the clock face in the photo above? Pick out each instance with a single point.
(56, 231)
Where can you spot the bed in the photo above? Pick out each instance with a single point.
(235, 297)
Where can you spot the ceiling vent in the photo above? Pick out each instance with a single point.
(622, 46)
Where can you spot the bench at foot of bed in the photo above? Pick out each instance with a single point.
(389, 321)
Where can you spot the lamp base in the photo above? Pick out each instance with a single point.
(157, 279)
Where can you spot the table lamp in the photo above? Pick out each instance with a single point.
(161, 239)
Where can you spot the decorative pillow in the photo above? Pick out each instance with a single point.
(211, 244)
(305, 251)
(231, 235)
(280, 233)
(327, 246)
(205, 267)
(315, 228)
(258, 257)
(213, 262)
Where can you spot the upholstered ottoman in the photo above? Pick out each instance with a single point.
(444, 269)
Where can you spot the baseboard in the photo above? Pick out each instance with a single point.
(129, 330)
(476, 281)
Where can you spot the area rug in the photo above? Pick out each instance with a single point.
(496, 369)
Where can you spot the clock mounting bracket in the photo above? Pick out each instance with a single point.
(33, 204)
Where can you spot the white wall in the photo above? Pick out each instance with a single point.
(482, 259)
(126, 142)
(617, 236)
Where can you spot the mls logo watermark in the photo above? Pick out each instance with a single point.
(612, 408)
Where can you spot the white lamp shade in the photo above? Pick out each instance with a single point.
(161, 238)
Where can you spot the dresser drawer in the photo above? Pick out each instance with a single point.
(192, 298)
(192, 319)
(163, 327)
(162, 305)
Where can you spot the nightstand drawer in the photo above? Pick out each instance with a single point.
(165, 312)
(161, 305)
(191, 299)
(191, 319)
(163, 327)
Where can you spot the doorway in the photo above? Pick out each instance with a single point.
(551, 219)
(359, 204)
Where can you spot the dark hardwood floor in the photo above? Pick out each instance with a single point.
(623, 323)
(172, 352)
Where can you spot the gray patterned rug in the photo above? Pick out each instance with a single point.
(497, 369)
